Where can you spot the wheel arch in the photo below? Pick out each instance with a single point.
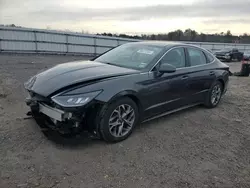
(222, 76)
(222, 83)
(130, 94)
(100, 111)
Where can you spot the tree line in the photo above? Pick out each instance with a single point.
(188, 35)
(179, 35)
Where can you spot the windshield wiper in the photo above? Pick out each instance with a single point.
(105, 62)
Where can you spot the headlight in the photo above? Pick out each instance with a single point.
(75, 100)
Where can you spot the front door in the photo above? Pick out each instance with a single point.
(167, 91)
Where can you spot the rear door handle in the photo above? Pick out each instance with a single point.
(211, 73)
(184, 77)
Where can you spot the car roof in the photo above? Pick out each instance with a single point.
(167, 44)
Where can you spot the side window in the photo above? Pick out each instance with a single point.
(196, 57)
(210, 58)
(175, 57)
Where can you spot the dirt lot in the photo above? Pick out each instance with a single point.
(194, 148)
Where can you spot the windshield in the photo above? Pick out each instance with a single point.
(132, 55)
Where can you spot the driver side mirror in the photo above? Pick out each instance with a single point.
(167, 68)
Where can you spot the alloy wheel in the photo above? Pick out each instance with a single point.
(121, 120)
(216, 95)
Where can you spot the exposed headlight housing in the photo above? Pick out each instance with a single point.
(75, 100)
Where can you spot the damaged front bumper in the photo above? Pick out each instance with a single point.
(57, 119)
(63, 120)
(54, 113)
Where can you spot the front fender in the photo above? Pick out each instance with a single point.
(109, 96)
(116, 87)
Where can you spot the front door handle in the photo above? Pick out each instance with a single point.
(211, 73)
(184, 77)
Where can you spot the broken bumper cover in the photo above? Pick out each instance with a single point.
(49, 115)
(54, 113)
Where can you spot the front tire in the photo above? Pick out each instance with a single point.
(214, 95)
(118, 119)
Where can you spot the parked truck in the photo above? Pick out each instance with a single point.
(229, 54)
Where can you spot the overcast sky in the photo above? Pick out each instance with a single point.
(129, 16)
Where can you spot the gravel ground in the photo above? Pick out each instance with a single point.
(194, 148)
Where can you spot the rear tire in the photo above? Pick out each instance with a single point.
(114, 124)
(214, 95)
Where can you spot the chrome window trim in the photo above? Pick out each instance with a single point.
(201, 49)
(183, 67)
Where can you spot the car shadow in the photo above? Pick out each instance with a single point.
(84, 139)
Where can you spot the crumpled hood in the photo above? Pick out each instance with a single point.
(66, 74)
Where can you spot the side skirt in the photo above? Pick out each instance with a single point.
(170, 112)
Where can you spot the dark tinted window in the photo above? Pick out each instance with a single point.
(210, 58)
(196, 57)
(175, 57)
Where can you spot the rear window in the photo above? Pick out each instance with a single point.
(196, 57)
(210, 58)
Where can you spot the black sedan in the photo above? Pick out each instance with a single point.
(135, 82)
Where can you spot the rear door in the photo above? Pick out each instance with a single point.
(201, 74)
